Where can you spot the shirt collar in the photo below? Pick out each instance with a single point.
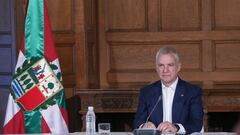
(172, 86)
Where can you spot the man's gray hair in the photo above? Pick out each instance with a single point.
(167, 50)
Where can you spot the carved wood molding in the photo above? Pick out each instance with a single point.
(108, 100)
(126, 100)
(222, 100)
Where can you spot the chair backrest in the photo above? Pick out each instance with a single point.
(73, 105)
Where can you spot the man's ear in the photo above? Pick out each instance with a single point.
(179, 66)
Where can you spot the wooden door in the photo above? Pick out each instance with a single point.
(7, 52)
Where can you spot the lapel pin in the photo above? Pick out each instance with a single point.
(182, 95)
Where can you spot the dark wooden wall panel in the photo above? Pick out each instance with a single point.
(227, 56)
(91, 49)
(226, 15)
(61, 14)
(192, 58)
(121, 56)
(180, 15)
(66, 59)
(126, 14)
(62, 21)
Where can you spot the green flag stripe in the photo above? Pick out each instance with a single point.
(33, 122)
(34, 47)
(34, 29)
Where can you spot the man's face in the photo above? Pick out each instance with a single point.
(168, 68)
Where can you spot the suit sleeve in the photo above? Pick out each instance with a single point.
(141, 113)
(195, 122)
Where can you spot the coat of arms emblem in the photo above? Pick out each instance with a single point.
(35, 85)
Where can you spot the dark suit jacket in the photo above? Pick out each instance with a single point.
(186, 109)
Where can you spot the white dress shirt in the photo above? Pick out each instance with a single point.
(168, 95)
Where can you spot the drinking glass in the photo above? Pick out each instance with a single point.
(104, 128)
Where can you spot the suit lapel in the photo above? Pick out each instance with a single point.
(178, 101)
(159, 108)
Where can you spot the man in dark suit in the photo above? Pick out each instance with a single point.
(170, 104)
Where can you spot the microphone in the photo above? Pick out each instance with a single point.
(159, 98)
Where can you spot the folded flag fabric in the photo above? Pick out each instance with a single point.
(37, 101)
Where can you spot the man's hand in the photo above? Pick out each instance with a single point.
(167, 127)
(149, 125)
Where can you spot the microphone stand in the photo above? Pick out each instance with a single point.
(159, 98)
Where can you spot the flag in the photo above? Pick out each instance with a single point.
(37, 101)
